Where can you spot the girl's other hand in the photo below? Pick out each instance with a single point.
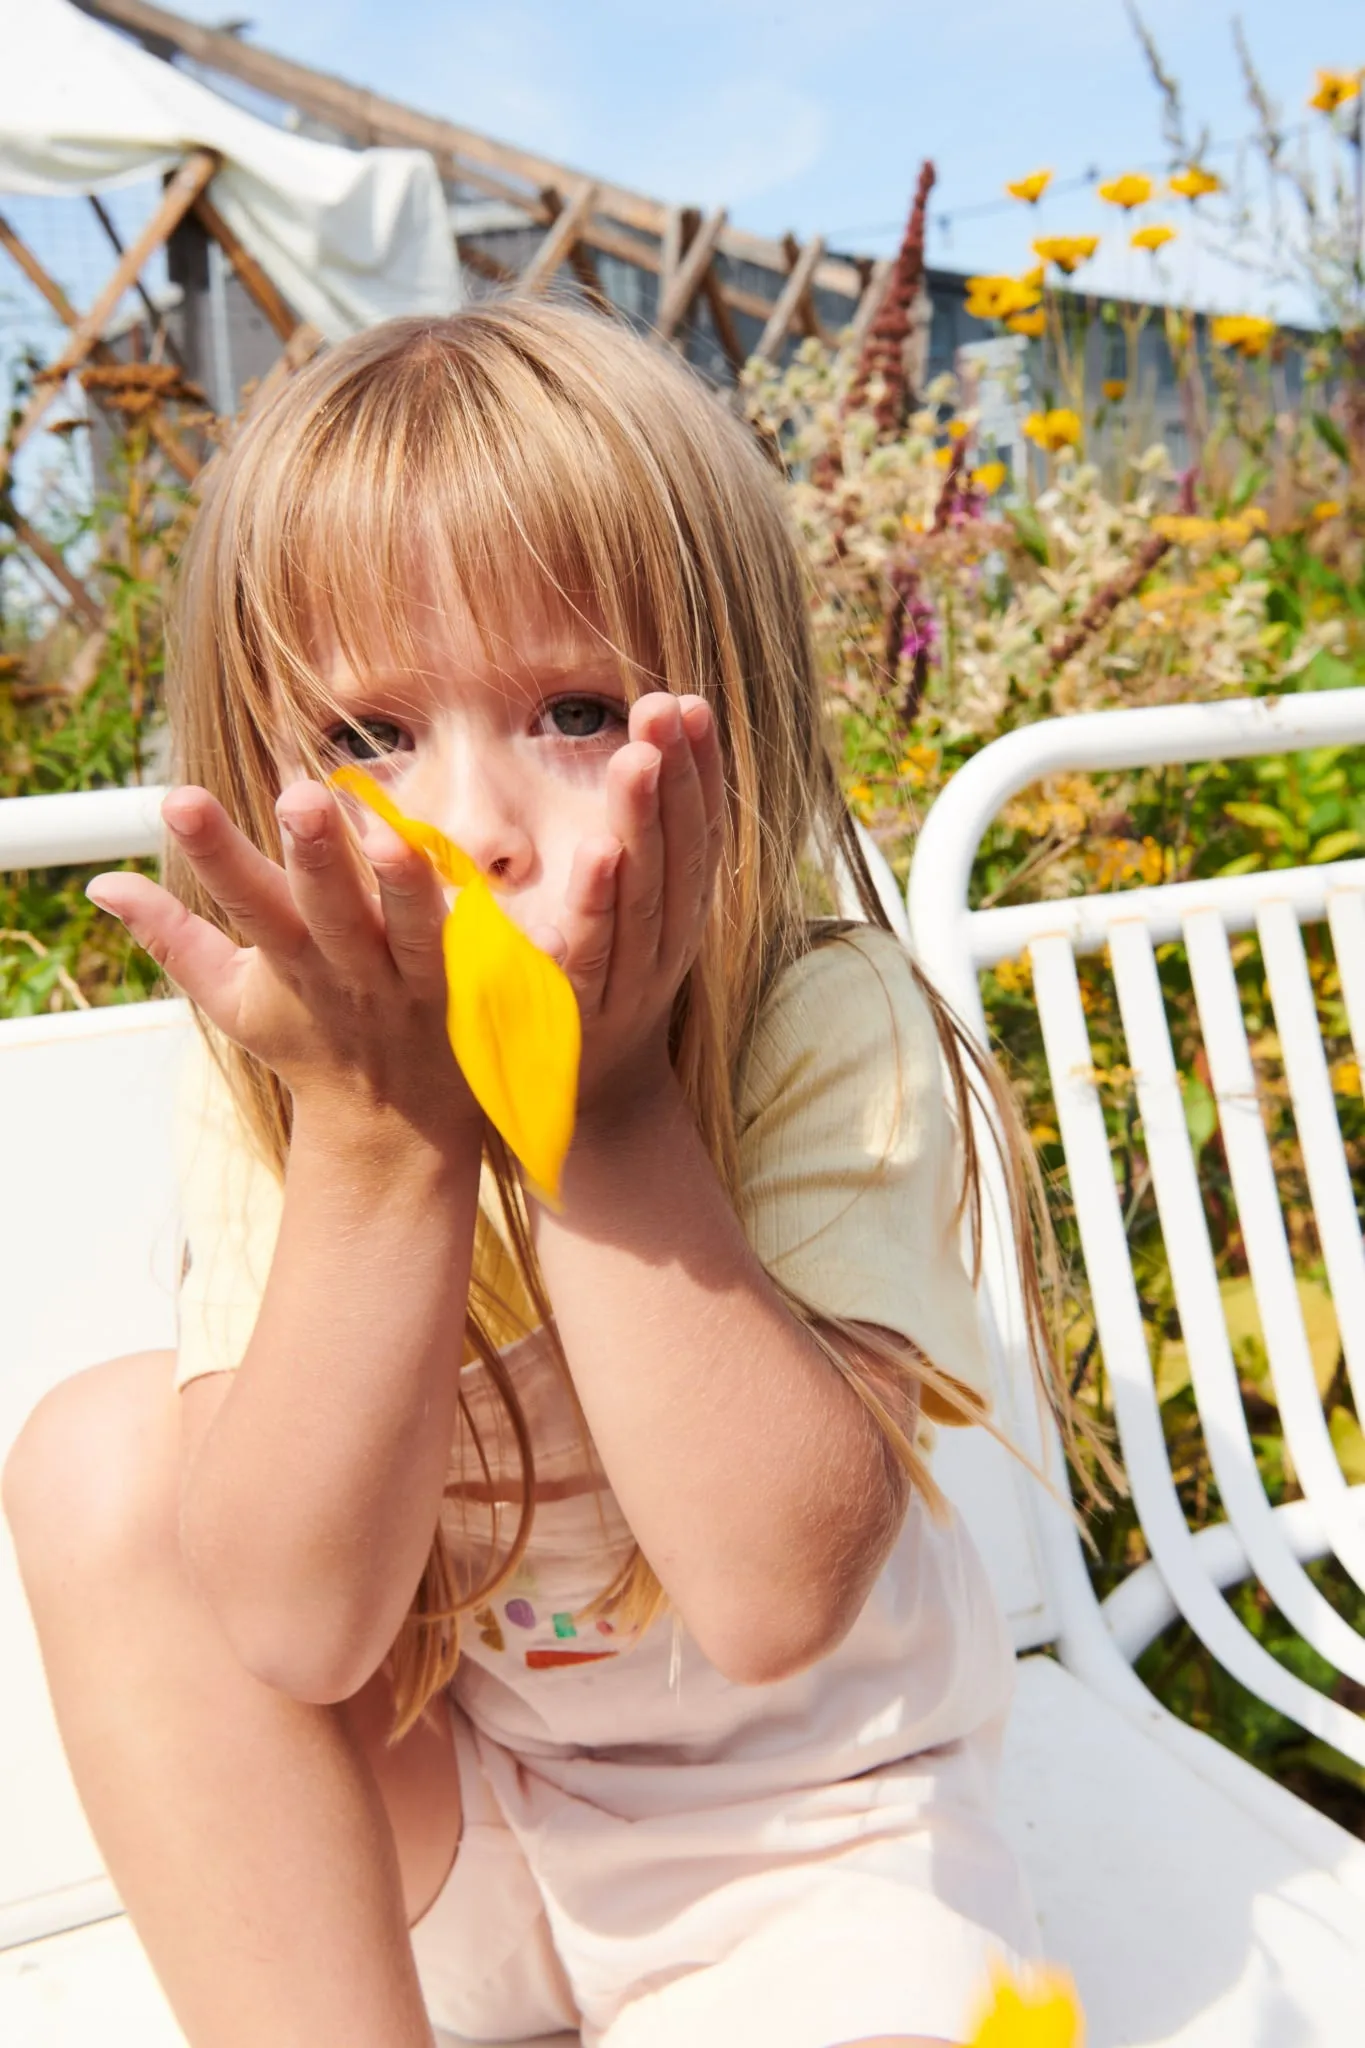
(339, 990)
(637, 901)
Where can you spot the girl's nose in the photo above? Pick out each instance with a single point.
(484, 817)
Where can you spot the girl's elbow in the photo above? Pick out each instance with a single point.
(749, 1653)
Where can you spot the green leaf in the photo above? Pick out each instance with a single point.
(1336, 846)
(1327, 672)
(1249, 479)
(1331, 436)
(1348, 1441)
(1201, 1111)
(1262, 818)
(1028, 526)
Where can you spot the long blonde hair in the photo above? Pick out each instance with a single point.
(522, 440)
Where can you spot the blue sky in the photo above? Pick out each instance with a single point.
(814, 114)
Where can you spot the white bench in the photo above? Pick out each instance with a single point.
(1196, 1902)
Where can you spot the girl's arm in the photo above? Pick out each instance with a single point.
(756, 1483)
(311, 1492)
(309, 1498)
(759, 1488)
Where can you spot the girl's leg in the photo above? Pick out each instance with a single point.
(270, 1854)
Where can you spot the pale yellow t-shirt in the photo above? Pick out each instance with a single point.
(848, 1160)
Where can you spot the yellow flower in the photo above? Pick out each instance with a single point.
(1033, 279)
(1034, 323)
(511, 1013)
(1334, 89)
(989, 477)
(1030, 188)
(943, 456)
(1154, 237)
(1245, 332)
(1114, 388)
(1068, 252)
(957, 430)
(1326, 508)
(1014, 976)
(1060, 428)
(1044, 2012)
(1346, 1077)
(1195, 183)
(1134, 188)
(859, 793)
(995, 298)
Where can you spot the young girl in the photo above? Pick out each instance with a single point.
(525, 1618)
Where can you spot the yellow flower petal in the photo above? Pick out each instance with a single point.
(511, 1013)
(445, 856)
(1044, 2013)
(1134, 188)
(1334, 89)
(1196, 183)
(1031, 188)
(513, 1021)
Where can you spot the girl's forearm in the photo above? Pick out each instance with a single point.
(754, 1479)
(308, 1510)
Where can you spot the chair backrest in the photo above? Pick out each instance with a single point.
(955, 943)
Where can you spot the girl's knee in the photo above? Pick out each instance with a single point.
(94, 1471)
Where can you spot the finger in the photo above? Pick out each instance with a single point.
(633, 819)
(682, 818)
(587, 922)
(201, 961)
(343, 919)
(704, 734)
(413, 905)
(249, 888)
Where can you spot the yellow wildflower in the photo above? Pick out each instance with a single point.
(1044, 2012)
(1033, 279)
(1031, 188)
(1068, 252)
(1346, 1077)
(994, 298)
(1115, 388)
(1015, 977)
(1153, 237)
(1134, 188)
(957, 430)
(1195, 183)
(943, 456)
(511, 1013)
(1334, 89)
(1033, 324)
(859, 793)
(1247, 333)
(1326, 508)
(1060, 428)
(989, 477)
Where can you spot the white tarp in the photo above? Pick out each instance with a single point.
(348, 236)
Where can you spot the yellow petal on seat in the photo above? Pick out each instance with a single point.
(513, 1021)
(511, 1013)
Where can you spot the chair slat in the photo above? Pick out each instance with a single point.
(1315, 1114)
(1118, 1318)
(1194, 1276)
(1267, 1245)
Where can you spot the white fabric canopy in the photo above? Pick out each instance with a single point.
(348, 236)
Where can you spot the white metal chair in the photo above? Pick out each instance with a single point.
(1198, 1903)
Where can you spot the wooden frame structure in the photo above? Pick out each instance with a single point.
(717, 293)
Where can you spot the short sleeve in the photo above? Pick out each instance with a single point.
(848, 1154)
(230, 1209)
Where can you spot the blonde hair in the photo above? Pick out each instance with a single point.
(521, 439)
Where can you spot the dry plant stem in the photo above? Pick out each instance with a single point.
(1107, 600)
(82, 1002)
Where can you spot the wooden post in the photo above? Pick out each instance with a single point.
(168, 442)
(561, 239)
(38, 544)
(675, 301)
(790, 297)
(252, 278)
(873, 292)
(180, 194)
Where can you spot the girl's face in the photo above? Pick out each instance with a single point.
(503, 744)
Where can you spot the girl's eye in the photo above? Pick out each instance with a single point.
(366, 739)
(582, 718)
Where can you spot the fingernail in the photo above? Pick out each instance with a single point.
(95, 895)
(301, 832)
(650, 777)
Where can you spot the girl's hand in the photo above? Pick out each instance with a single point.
(342, 992)
(637, 902)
